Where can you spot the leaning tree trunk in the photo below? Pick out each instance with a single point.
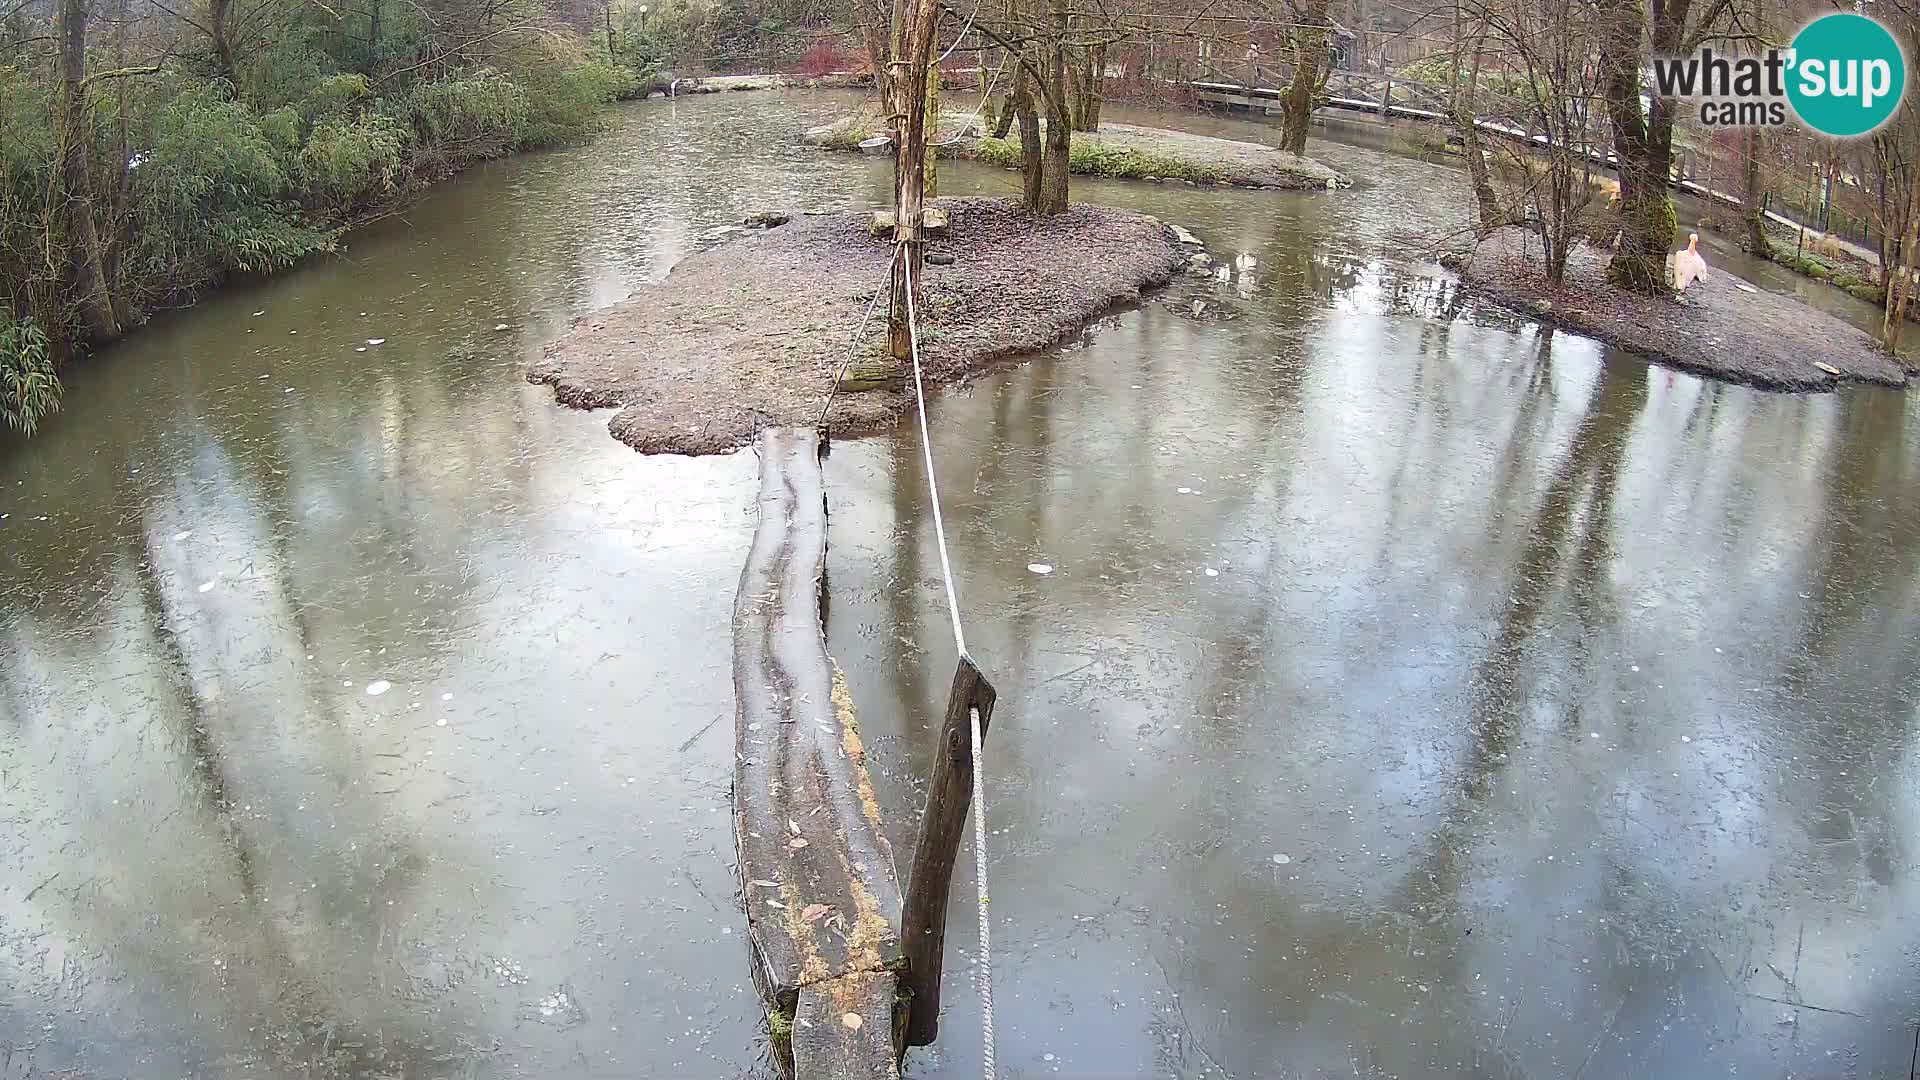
(1753, 198)
(1644, 147)
(1005, 111)
(1309, 54)
(1491, 216)
(86, 273)
(995, 110)
(1003, 117)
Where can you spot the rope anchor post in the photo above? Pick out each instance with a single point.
(958, 779)
(949, 794)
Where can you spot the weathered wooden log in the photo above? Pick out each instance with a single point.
(841, 1024)
(949, 794)
(815, 868)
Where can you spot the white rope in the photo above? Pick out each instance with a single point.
(986, 95)
(926, 449)
(962, 36)
(980, 876)
(872, 306)
(985, 968)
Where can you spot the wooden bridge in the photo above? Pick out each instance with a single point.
(1389, 97)
(1380, 94)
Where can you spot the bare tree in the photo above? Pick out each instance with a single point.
(1311, 64)
(1546, 49)
(1894, 169)
(908, 71)
(1643, 137)
(1753, 194)
(77, 205)
(1490, 215)
(1037, 35)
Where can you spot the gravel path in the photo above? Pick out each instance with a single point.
(1715, 329)
(750, 334)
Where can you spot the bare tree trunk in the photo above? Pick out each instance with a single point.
(1054, 170)
(1004, 110)
(1084, 76)
(1900, 285)
(1055, 167)
(891, 102)
(1753, 198)
(1478, 174)
(1076, 81)
(1031, 157)
(85, 272)
(1556, 245)
(219, 18)
(909, 74)
(876, 37)
(932, 108)
(374, 18)
(1087, 115)
(1309, 58)
(1644, 146)
(1362, 25)
(1005, 113)
(115, 201)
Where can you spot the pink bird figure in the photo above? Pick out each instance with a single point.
(1688, 266)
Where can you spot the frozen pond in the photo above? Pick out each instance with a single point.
(1414, 692)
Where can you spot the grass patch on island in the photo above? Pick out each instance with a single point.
(1819, 269)
(847, 135)
(1089, 158)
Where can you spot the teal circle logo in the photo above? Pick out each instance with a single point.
(1848, 75)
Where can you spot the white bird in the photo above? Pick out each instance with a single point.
(1688, 266)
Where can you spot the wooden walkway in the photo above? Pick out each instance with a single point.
(817, 873)
(1389, 97)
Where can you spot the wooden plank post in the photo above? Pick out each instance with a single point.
(949, 794)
